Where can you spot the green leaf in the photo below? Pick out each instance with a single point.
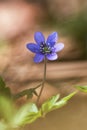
(27, 114)
(63, 101)
(4, 90)
(53, 103)
(28, 92)
(2, 83)
(48, 105)
(6, 109)
(82, 88)
(2, 126)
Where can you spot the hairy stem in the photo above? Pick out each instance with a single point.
(43, 82)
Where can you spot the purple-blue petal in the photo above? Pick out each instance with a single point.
(58, 47)
(33, 47)
(52, 39)
(38, 58)
(39, 38)
(52, 56)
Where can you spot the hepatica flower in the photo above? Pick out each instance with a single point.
(45, 48)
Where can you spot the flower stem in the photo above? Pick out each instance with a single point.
(38, 86)
(43, 82)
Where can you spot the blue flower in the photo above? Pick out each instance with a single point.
(43, 48)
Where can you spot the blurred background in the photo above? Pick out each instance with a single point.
(19, 20)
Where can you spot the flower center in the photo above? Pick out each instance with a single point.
(45, 49)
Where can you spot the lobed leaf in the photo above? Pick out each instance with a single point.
(27, 114)
(28, 92)
(48, 105)
(53, 103)
(82, 88)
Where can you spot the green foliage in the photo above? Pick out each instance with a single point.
(6, 109)
(4, 90)
(2, 125)
(53, 103)
(28, 92)
(26, 114)
(29, 112)
(82, 88)
(76, 26)
(48, 105)
(11, 118)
